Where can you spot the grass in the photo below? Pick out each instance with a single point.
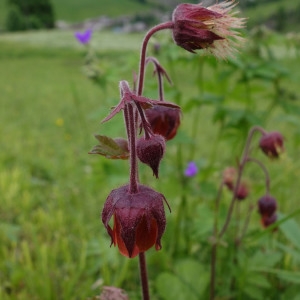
(44, 125)
(103, 41)
(53, 245)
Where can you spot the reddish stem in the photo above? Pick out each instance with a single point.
(267, 176)
(160, 72)
(241, 166)
(162, 26)
(131, 132)
(144, 276)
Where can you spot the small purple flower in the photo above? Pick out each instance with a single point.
(84, 37)
(191, 169)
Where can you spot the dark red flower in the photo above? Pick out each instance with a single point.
(139, 219)
(268, 220)
(164, 120)
(212, 28)
(272, 144)
(267, 205)
(150, 151)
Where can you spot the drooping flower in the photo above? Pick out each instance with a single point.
(267, 206)
(84, 37)
(164, 120)
(139, 219)
(268, 220)
(213, 28)
(272, 144)
(191, 169)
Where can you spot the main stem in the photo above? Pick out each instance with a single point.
(144, 276)
(166, 25)
(215, 245)
(131, 133)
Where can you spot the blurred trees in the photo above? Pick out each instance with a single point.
(29, 14)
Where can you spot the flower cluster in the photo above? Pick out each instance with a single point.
(137, 210)
(271, 144)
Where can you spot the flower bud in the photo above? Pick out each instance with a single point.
(272, 144)
(242, 191)
(139, 219)
(267, 205)
(150, 151)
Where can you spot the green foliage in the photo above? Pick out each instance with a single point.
(25, 15)
(188, 281)
(15, 20)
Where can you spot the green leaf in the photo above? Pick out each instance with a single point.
(258, 280)
(111, 148)
(282, 274)
(205, 99)
(193, 274)
(265, 259)
(253, 292)
(294, 253)
(188, 281)
(291, 229)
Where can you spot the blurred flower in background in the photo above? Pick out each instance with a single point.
(191, 169)
(84, 37)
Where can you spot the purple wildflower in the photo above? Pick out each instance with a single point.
(191, 169)
(84, 37)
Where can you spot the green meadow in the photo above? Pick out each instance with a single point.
(52, 242)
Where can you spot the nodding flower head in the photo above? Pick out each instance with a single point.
(150, 151)
(164, 120)
(272, 144)
(139, 219)
(212, 28)
(267, 205)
